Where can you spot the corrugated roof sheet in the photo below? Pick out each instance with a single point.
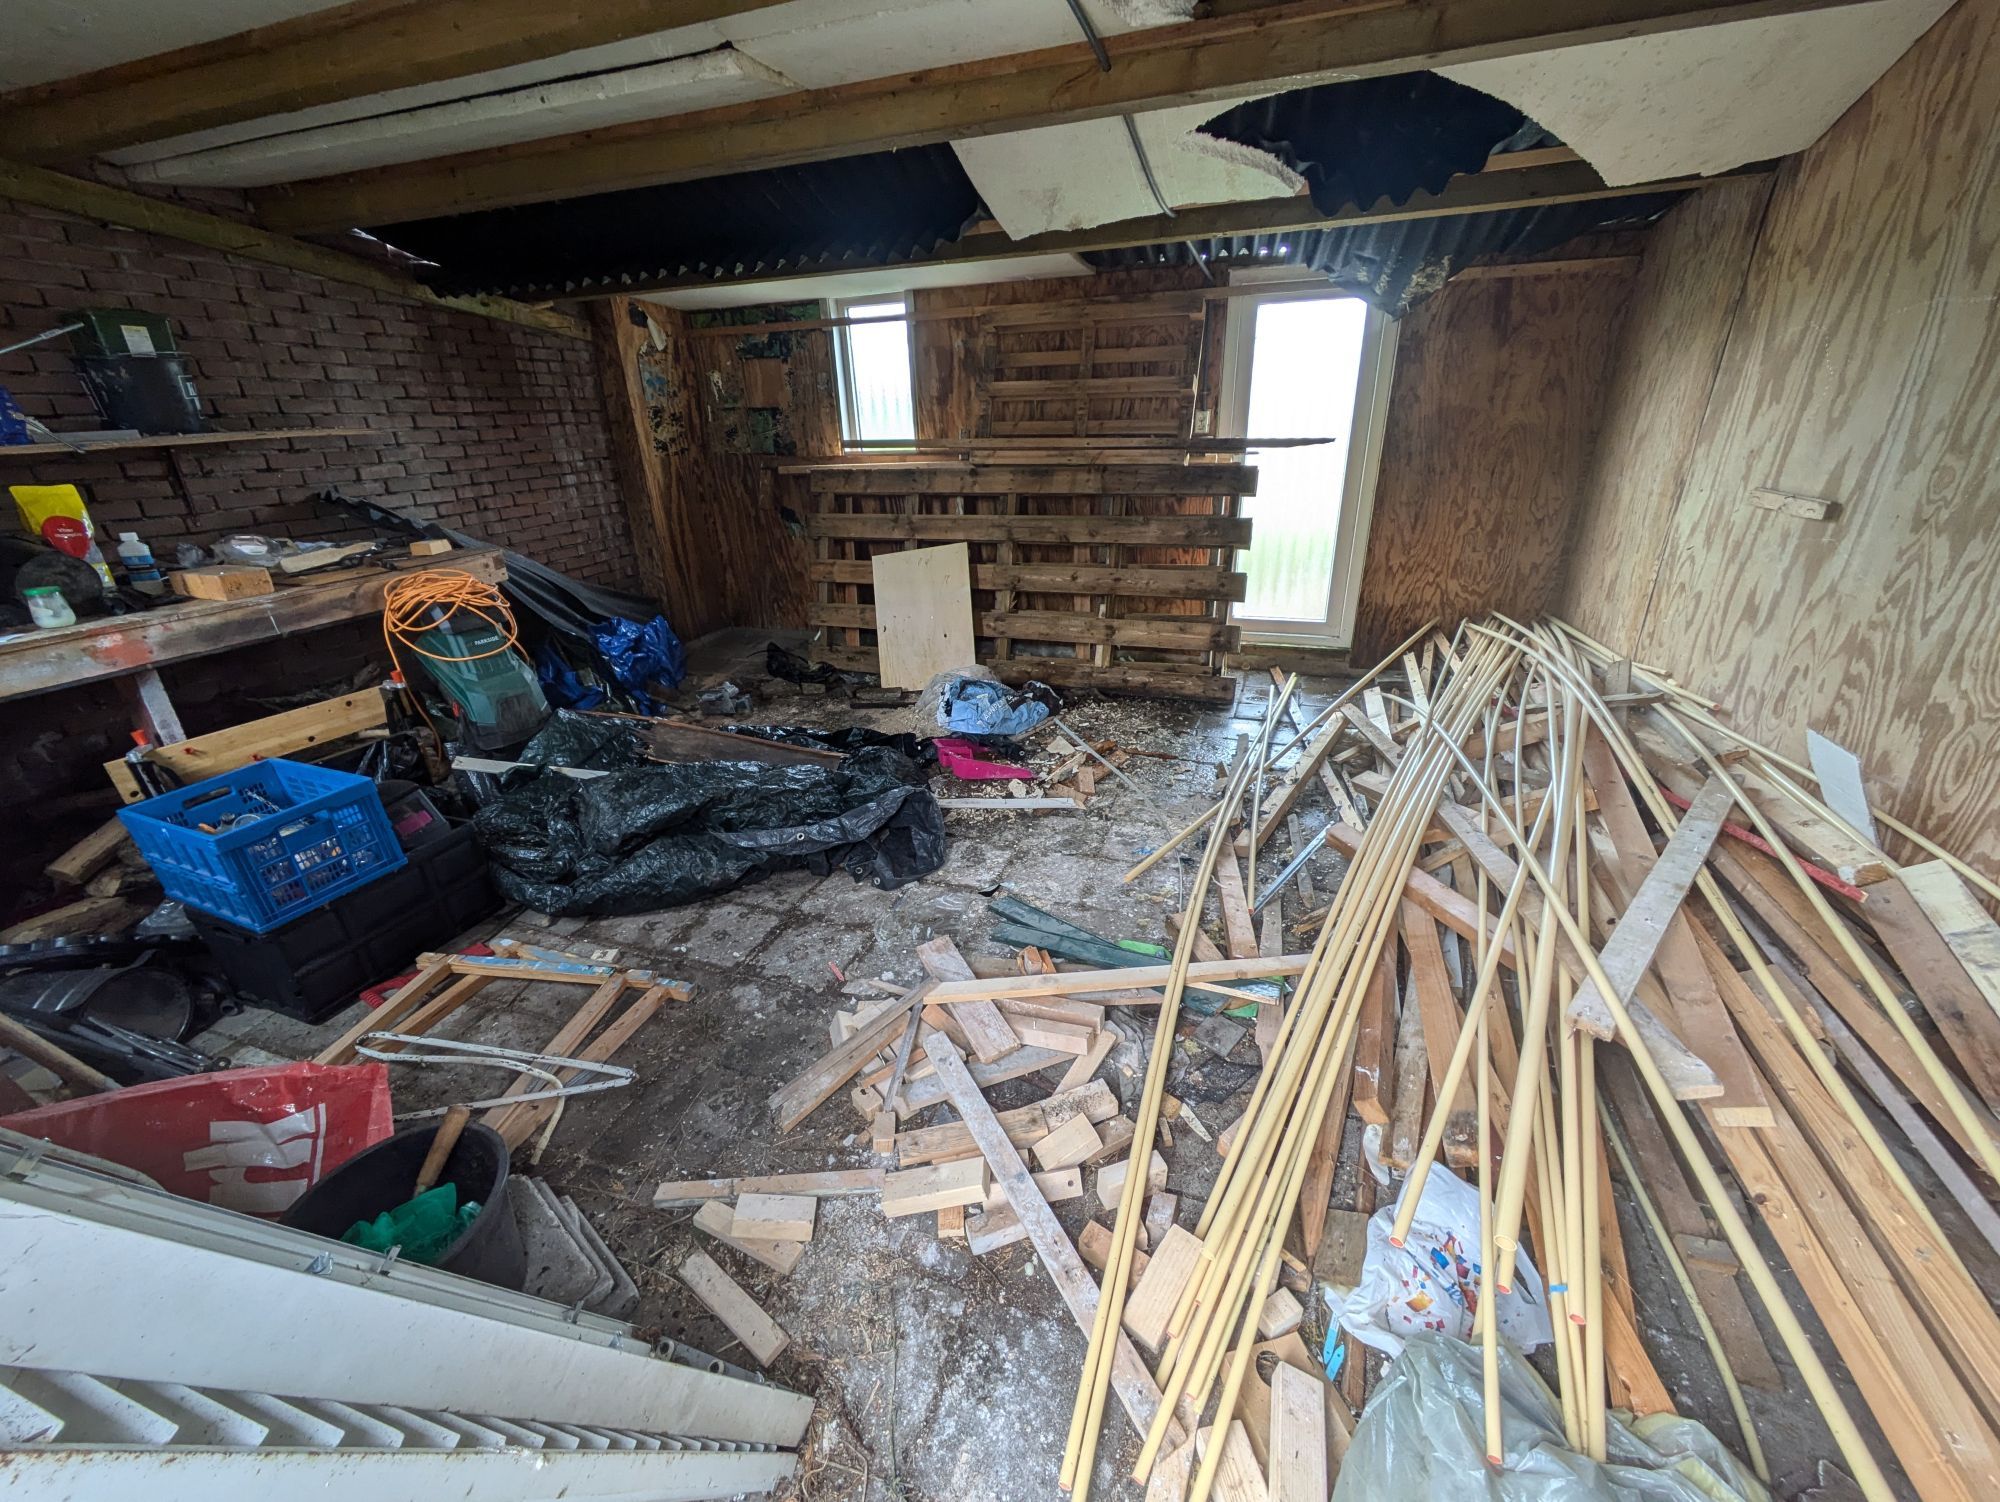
(1373, 138)
(1395, 264)
(820, 216)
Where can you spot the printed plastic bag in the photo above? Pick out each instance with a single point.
(245, 1139)
(1431, 1282)
(1423, 1440)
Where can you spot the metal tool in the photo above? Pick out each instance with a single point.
(1291, 869)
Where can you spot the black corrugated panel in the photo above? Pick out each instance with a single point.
(1397, 264)
(1373, 138)
(786, 221)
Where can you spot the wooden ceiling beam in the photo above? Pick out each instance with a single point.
(25, 183)
(1208, 60)
(346, 52)
(1489, 192)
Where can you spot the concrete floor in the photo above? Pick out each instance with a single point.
(939, 1375)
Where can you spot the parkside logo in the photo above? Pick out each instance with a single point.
(285, 1156)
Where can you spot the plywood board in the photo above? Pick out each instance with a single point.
(923, 613)
(1857, 368)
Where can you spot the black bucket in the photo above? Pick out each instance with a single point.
(382, 1177)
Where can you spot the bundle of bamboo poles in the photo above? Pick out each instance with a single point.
(1565, 954)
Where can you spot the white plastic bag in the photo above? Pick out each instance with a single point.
(1431, 1282)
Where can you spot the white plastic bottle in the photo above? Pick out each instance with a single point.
(140, 570)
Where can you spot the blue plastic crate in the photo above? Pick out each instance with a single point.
(288, 837)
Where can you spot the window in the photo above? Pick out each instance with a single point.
(1306, 363)
(876, 408)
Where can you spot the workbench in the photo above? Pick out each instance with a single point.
(131, 649)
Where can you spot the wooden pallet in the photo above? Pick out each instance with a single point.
(1079, 370)
(1084, 575)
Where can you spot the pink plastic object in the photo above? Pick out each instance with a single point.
(965, 760)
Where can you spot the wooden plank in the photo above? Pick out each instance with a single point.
(1189, 583)
(1858, 1009)
(275, 735)
(1024, 1126)
(1161, 531)
(1087, 1064)
(718, 1220)
(592, 1010)
(1111, 1179)
(520, 1122)
(775, 1217)
(682, 740)
(987, 1031)
(723, 1298)
(1051, 86)
(839, 1183)
(917, 1190)
(1698, 1010)
(342, 52)
(798, 1099)
(1412, 1060)
(388, 1016)
(1134, 1387)
(1643, 925)
(1058, 1037)
(1297, 1452)
(1374, 1046)
(1032, 479)
(42, 661)
(1972, 936)
(1280, 1315)
(75, 865)
(1238, 1477)
(89, 199)
(923, 613)
(1159, 1288)
(1438, 1009)
(1960, 1007)
(1073, 1141)
(1089, 982)
(1168, 633)
(1455, 912)
(1945, 1445)
(1239, 931)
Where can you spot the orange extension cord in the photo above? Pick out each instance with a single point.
(407, 601)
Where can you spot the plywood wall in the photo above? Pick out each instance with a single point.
(1498, 389)
(700, 426)
(1841, 341)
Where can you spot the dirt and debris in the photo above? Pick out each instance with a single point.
(938, 1374)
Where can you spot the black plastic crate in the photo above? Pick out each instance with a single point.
(313, 966)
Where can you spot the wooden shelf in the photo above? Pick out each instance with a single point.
(40, 662)
(175, 441)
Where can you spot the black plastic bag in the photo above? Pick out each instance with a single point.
(657, 836)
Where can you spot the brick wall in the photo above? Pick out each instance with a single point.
(486, 427)
(495, 430)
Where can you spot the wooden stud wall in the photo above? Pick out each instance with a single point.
(1120, 576)
(1840, 343)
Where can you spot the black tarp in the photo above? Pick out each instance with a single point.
(658, 836)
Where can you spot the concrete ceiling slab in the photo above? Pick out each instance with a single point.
(1706, 100)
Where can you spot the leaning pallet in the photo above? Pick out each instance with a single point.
(1107, 576)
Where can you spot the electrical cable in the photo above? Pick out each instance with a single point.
(413, 604)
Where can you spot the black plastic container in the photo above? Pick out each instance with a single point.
(382, 1177)
(313, 966)
(149, 393)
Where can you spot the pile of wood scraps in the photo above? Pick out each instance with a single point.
(1570, 851)
(592, 1036)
